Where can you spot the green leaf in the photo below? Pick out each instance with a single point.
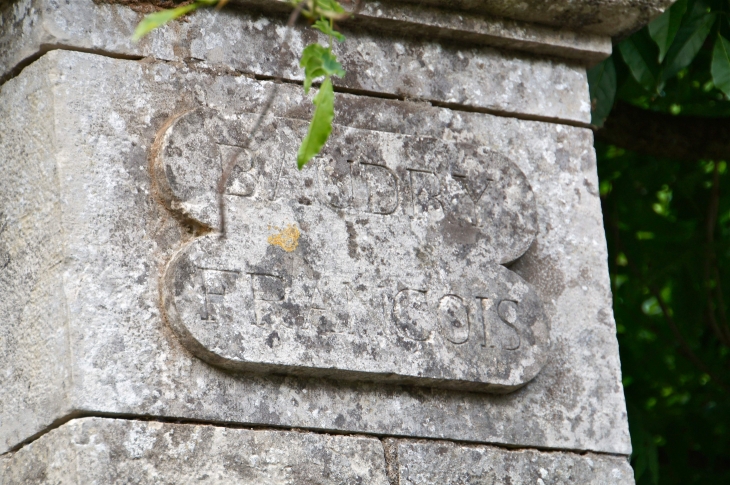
(320, 126)
(688, 42)
(664, 28)
(330, 9)
(602, 87)
(640, 54)
(721, 65)
(325, 27)
(158, 19)
(319, 61)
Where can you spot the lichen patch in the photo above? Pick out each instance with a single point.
(287, 238)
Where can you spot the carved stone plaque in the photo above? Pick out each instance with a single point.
(381, 260)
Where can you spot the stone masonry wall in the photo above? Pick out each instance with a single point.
(426, 303)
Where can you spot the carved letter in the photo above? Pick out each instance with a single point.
(498, 324)
(382, 187)
(467, 207)
(242, 180)
(325, 314)
(216, 285)
(454, 319)
(335, 182)
(425, 190)
(412, 316)
(508, 314)
(268, 290)
(471, 175)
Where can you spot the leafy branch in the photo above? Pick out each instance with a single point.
(318, 61)
(158, 19)
(662, 51)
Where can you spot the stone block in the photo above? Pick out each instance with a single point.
(34, 336)
(113, 451)
(421, 21)
(616, 18)
(481, 77)
(87, 239)
(446, 463)
(384, 246)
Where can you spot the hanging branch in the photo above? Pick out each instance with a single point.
(233, 159)
(684, 347)
(317, 61)
(711, 270)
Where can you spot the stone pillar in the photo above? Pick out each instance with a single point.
(427, 302)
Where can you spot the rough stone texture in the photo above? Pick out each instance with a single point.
(608, 17)
(614, 18)
(443, 463)
(379, 260)
(34, 336)
(110, 451)
(108, 350)
(482, 78)
(496, 31)
(434, 23)
(113, 451)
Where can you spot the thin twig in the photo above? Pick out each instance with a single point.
(715, 204)
(711, 258)
(721, 304)
(716, 329)
(233, 159)
(684, 347)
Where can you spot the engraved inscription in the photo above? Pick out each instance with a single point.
(368, 187)
(383, 259)
(454, 319)
(499, 323)
(412, 315)
(242, 181)
(382, 188)
(216, 284)
(425, 191)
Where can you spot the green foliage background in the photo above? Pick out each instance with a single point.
(655, 211)
(668, 231)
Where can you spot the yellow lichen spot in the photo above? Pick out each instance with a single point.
(287, 238)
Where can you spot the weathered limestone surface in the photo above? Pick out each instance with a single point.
(34, 336)
(109, 451)
(102, 241)
(601, 18)
(112, 451)
(380, 260)
(435, 23)
(608, 17)
(444, 463)
(479, 77)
